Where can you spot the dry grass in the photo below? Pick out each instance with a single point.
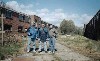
(10, 49)
(82, 45)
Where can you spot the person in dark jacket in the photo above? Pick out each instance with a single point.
(43, 35)
(32, 35)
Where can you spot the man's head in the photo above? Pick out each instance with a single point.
(43, 25)
(39, 25)
(34, 24)
(51, 26)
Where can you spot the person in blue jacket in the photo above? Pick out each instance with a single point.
(32, 35)
(43, 36)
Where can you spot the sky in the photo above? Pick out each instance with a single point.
(54, 11)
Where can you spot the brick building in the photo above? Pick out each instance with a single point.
(17, 21)
(14, 21)
(35, 19)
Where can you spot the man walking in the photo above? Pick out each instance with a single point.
(32, 34)
(43, 35)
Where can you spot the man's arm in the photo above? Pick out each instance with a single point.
(47, 33)
(28, 32)
(38, 33)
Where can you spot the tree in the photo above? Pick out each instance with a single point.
(67, 26)
(78, 30)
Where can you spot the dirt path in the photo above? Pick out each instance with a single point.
(63, 53)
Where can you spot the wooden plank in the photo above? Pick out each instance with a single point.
(2, 31)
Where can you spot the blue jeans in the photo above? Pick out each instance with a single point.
(44, 45)
(52, 44)
(31, 41)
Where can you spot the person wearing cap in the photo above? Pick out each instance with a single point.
(43, 35)
(52, 35)
(32, 35)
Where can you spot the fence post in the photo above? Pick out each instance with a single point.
(2, 28)
(2, 25)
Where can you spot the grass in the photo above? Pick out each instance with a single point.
(82, 44)
(9, 50)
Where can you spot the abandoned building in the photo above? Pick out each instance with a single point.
(35, 18)
(92, 29)
(14, 21)
(17, 21)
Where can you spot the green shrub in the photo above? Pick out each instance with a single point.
(9, 49)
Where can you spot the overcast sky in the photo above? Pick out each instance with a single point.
(54, 11)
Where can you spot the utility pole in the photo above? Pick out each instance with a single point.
(2, 27)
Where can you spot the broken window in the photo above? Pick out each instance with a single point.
(20, 29)
(8, 14)
(26, 19)
(7, 27)
(21, 17)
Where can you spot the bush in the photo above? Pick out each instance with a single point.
(8, 50)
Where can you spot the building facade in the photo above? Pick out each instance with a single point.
(14, 21)
(35, 19)
(17, 21)
(92, 29)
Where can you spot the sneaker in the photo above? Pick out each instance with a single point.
(49, 52)
(53, 52)
(34, 51)
(27, 51)
(46, 52)
(39, 51)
